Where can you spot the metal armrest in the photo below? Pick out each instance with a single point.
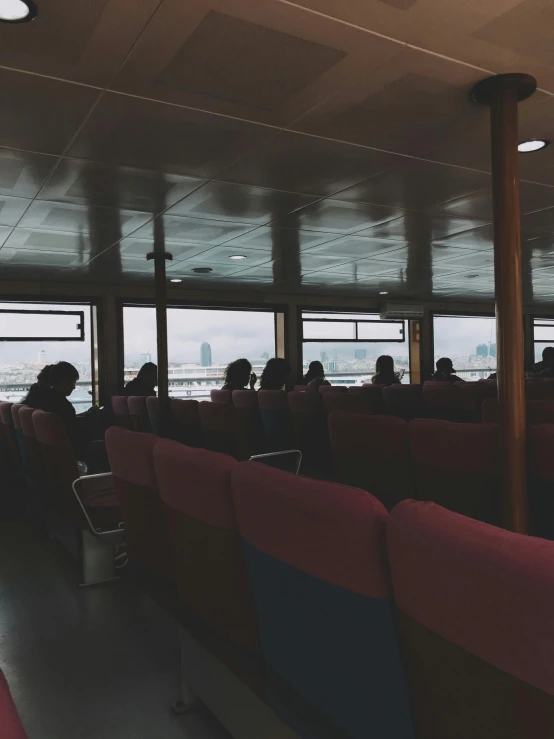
(92, 483)
(277, 454)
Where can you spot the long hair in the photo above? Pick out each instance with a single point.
(275, 373)
(315, 371)
(384, 365)
(237, 373)
(43, 377)
(62, 371)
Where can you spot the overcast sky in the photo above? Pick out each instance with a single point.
(231, 334)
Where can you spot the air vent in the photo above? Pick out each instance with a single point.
(394, 310)
(202, 270)
(227, 58)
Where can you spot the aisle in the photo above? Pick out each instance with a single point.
(92, 663)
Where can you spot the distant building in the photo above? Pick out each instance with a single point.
(482, 350)
(323, 356)
(493, 350)
(205, 354)
(144, 358)
(42, 357)
(265, 356)
(360, 353)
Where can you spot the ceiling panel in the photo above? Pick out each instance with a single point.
(111, 223)
(41, 114)
(340, 217)
(23, 173)
(421, 227)
(239, 203)
(221, 255)
(245, 59)
(416, 185)
(49, 242)
(82, 182)
(11, 209)
(82, 41)
(200, 230)
(169, 138)
(282, 239)
(305, 164)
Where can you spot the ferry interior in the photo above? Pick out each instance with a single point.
(328, 181)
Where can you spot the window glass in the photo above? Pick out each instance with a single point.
(21, 361)
(469, 341)
(201, 343)
(353, 362)
(329, 329)
(543, 333)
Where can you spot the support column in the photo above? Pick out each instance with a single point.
(503, 93)
(160, 256)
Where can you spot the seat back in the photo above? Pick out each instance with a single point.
(33, 450)
(275, 419)
(346, 403)
(221, 396)
(538, 411)
(8, 432)
(58, 462)
(539, 389)
(316, 553)
(220, 429)
(309, 427)
(457, 466)
(185, 422)
(146, 530)
(215, 598)
(120, 408)
(333, 389)
(153, 410)
(375, 394)
(489, 410)
(476, 619)
(10, 723)
(371, 452)
(449, 401)
(138, 414)
(541, 480)
(249, 420)
(404, 401)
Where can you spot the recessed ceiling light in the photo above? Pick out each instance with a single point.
(237, 256)
(525, 147)
(383, 292)
(176, 279)
(17, 11)
(202, 270)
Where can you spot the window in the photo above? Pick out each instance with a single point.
(543, 335)
(470, 341)
(347, 344)
(201, 343)
(35, 334)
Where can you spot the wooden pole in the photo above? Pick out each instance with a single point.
(503, 93)
(160, 256)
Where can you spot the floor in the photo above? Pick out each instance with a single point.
(86, 663)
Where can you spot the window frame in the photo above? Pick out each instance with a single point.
(454, 314)
(534, 341)
(355, 321)
(80, 314)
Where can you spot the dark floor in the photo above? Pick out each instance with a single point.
(86, 663)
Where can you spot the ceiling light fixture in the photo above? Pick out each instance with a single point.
(383, 292)
(202, 270)
(17, 11)
(237, 256)
(176, 279)
(526, 147)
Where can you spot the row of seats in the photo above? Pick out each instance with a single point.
(346, 621)
(455, 465)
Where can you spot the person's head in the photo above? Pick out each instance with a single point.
(148, 374)
(548, 355)
(384, 365)
(63, 377)
(43, 377)
(237, 373)
(315, 370)
(444, 365)
(275, 374)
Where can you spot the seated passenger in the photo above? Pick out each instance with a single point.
(384, 371)
(39, 389)
(445, 371)
(547, 360)
(144, 383)
(315, 376)
(275, 375)
(238, 374)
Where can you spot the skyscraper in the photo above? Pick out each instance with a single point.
(42, 356)
(205, 354)
(482, 350)
(360, 353)
(323, 356)
(144, 358)
(493, 350)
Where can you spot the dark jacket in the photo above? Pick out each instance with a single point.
(138, 388)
